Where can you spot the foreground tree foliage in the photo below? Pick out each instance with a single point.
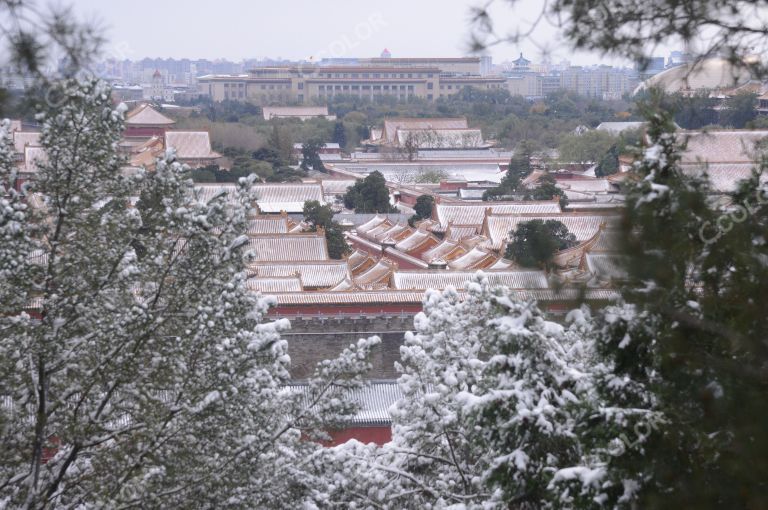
(698, 273)
(369, 195)
(501, 409)
(519, 168)
(422, 209)
(535, 242)
(321, 216)
(731, 28)
(146, 376)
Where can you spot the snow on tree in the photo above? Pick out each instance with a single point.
(697, 335)
(145, 375)
(501, 409)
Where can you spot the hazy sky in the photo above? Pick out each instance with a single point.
(295, 29)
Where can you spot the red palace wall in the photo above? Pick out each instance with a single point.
(452, 186)
(408, 199)
(378, 435)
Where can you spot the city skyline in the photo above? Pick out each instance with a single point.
(342, 29)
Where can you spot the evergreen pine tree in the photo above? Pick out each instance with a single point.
(142, 377)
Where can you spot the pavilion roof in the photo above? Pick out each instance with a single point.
(476, 258)
(191, 144)
(396, 232)
(372, 223)
(145, 115)
(359, 260)
(446, 250)
(418, 240)
(377, 274)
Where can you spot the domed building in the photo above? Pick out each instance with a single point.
(708, 74)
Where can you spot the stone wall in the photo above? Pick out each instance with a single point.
(311, 340)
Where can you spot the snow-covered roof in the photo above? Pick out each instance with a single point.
(288, 197)
(446, 250)
(617, 202)
(207, 191)
(441, 278)
(33, 156)
(373, 401)
(270, 112)
(358, 259)
(392, 125)
(616, 128)
(608, 241)
(459, 232)
(270, 198)
(379, 229)
(378, 273)
(337, 186)
(473, 214)
(267, 225)
(22, 139)
(371, 223)
(313, 274)
(583, 226)
(596, 185)
(145, 115)
(471, 194)
(275, 284)
(396, 232)
(721, 146)
(191, 144)
(416, 240)
(476, 258)
(723, 177)
(606, 265)
(408, 258)
(288, 248)
(440, 139)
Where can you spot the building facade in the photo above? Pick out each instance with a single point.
(299, 84)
